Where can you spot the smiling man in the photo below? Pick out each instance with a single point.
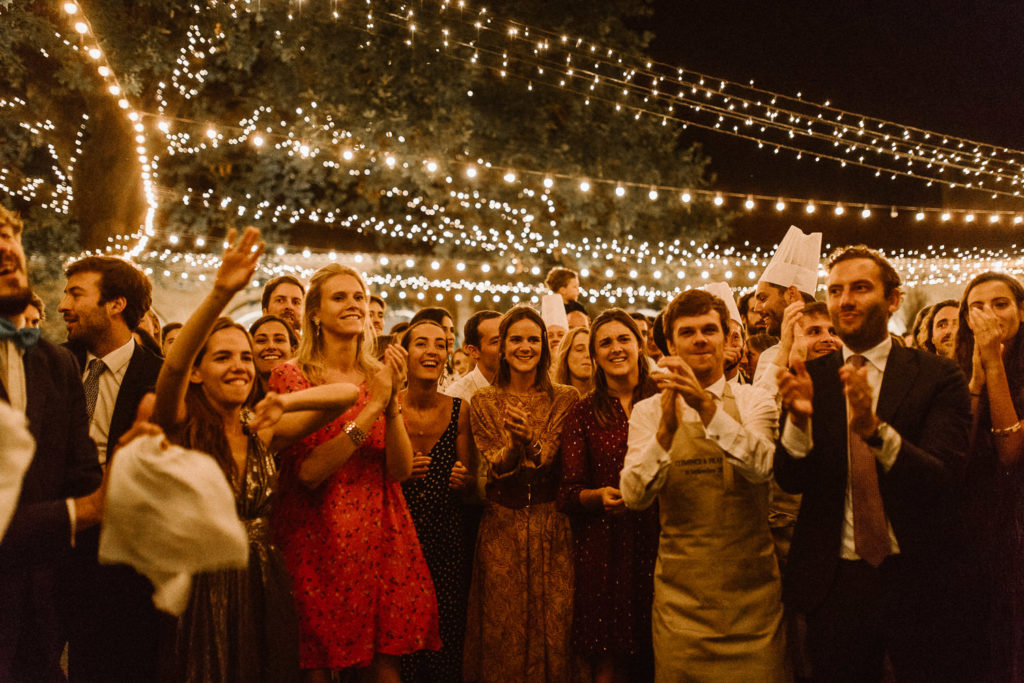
(104, 300)
(59, 491)
(703, 449)
(284, 296)
(874, 440)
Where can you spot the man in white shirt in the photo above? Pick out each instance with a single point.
(114, 630)
(874, 440)
(481, 341)
(703, 449)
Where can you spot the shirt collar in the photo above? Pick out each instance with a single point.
(878, 355)
(718, 388)
(117, 359)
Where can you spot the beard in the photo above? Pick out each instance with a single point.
(869, 333)
(15, 302)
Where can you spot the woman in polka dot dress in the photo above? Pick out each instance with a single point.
(434, 493)
(615, 549)
(362, 589)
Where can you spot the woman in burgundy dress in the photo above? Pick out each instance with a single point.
(615, 549)
(362, 588)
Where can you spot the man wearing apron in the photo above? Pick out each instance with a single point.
(703, 449)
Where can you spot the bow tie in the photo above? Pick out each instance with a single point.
(24, 338)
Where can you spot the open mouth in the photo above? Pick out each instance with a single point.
(271, 355)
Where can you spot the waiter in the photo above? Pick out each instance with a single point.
(703, 449)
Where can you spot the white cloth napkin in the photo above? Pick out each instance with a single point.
(16, 450)
(170, 513)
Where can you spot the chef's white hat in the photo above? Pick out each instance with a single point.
(795, 262)
(724, 292)
(552, 311)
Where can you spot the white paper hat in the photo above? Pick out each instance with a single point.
(552, 310)
(724, 292)
(795, 262)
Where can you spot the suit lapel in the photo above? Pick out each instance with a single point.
(830, 408)
(900, 371)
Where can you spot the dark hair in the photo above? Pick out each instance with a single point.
(743, 305)
(816, 308)
(433, 313)
(471, 330)
(659, 333)
(39, 306)
(407, 335)
(602, 402)
(919, 320)
(694, 302)
(890, 278)
(929, 343)
(374, 299)
(760, 342)
(543, 379)
(638, 316)
(559, 277)
(203, 430)
(1012, 355)
(11, 218)
(398, 328)
(169, 327)
(293, 338)
(268, 289)
(118, 279)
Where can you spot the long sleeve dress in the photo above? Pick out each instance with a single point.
(614, 553)
(361, 583)
(520, 601)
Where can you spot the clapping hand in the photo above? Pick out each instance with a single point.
(862, 418)
(460, 477)
(420, 465)
(396, 359)
(239, 261)
(797, 392)
(517, 423)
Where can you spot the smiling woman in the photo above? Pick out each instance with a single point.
(520, 603)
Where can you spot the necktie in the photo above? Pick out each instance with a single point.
(92, 385)
(870, 532)
(24, 338)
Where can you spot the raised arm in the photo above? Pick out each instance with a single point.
(238, 263)
(398, 447)
(283, 419)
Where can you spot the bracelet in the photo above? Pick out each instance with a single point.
(353, 431)
(1006, 431)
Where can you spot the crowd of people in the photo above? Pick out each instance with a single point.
(770, 487)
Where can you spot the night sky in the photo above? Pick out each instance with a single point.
(952, 67)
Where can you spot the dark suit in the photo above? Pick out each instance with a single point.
(39, 537)
(114, 628)
(925, 399)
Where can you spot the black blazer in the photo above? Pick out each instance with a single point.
(39, 537)
(925, 399)
(138, 380)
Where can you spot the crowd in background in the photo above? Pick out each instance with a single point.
(764, 487)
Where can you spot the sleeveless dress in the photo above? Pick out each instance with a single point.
(361, 583)
(437, 512)
(240, 624)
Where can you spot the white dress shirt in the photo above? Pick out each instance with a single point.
(110, 384)
(749, 445)
(799, 443)
(12, 374)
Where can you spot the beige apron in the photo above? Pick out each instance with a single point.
(717, 611)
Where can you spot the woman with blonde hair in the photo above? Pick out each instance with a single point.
(362, 588)
(573, 365)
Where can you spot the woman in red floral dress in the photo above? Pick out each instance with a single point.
(362, 588)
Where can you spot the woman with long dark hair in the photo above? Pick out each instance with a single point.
(990, 349)
(239, 624)
(520, 601)
(615, 548)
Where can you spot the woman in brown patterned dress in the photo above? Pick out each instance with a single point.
(520, 602)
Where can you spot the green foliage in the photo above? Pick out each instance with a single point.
(376, 90)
